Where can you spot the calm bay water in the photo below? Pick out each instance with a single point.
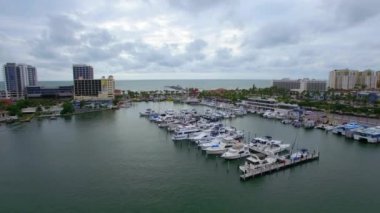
(119, 162)
(141, 85)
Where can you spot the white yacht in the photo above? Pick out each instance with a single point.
(213, 142)
(257, 162)
(199, 135)
(183, 133)
(276, 148)
(218, 149)
(147, 112)
(237, 151)
(170, 112)
(299, 154)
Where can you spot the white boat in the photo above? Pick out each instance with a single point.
(218, 149)
(199, 135)
(325, 127)
(309, 124)
(147, 112)
(329, 127)
(208, 139)
(183, 133)
(170, 112)
(286, 121)
(213, 142)
(276, 148)
(236, 152)
(163, 124)
(268, 114)
(299, 155)
(257, 162)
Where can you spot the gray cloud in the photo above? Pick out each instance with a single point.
(353, 11)
(264, 38)
(274, 34)
(197, 5)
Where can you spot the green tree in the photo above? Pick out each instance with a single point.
(14, 110)
(68, 108)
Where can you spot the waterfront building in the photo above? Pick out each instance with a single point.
(94, 89)
(83, 71)
(49, 92)
(371, 96)
(3, 94)
(367, 79)
(287, 83)
(315, 85)
(17, 77)
(32, 75)
(301, 85)
(267, 104)
(378, 79)
(346, 79)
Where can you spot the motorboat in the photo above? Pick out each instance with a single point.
(299, 155)
(183, 133)
(237, 151)
(309, 124)
(199, 135)
(256, 161)
(213, 142)
(286, 121)
(275, 149)
(170, 112)
(325, 127)
(147, 112)
(218, 149)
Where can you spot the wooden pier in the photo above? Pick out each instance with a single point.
(277, 167)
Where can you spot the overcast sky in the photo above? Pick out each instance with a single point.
(261, 39)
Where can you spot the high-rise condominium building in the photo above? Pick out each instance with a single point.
(353, 79)
(82, 71)
(17, 77)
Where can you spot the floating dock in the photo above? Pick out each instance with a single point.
(277, 167)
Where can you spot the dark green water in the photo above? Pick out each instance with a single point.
(119, 162)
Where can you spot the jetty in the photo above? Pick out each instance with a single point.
(286, 163)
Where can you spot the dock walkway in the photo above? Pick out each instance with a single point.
(278, 166)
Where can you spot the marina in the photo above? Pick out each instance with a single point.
(288, 114)
(111, 159)
(214, 138)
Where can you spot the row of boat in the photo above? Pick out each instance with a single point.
(350, 130)
(292, 117)
(214, 138)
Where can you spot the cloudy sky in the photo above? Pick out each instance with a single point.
(163, 39)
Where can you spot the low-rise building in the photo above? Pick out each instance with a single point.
(287, 83)
(49, 92)
(301, 85)
(94, 89)
(315, 85)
